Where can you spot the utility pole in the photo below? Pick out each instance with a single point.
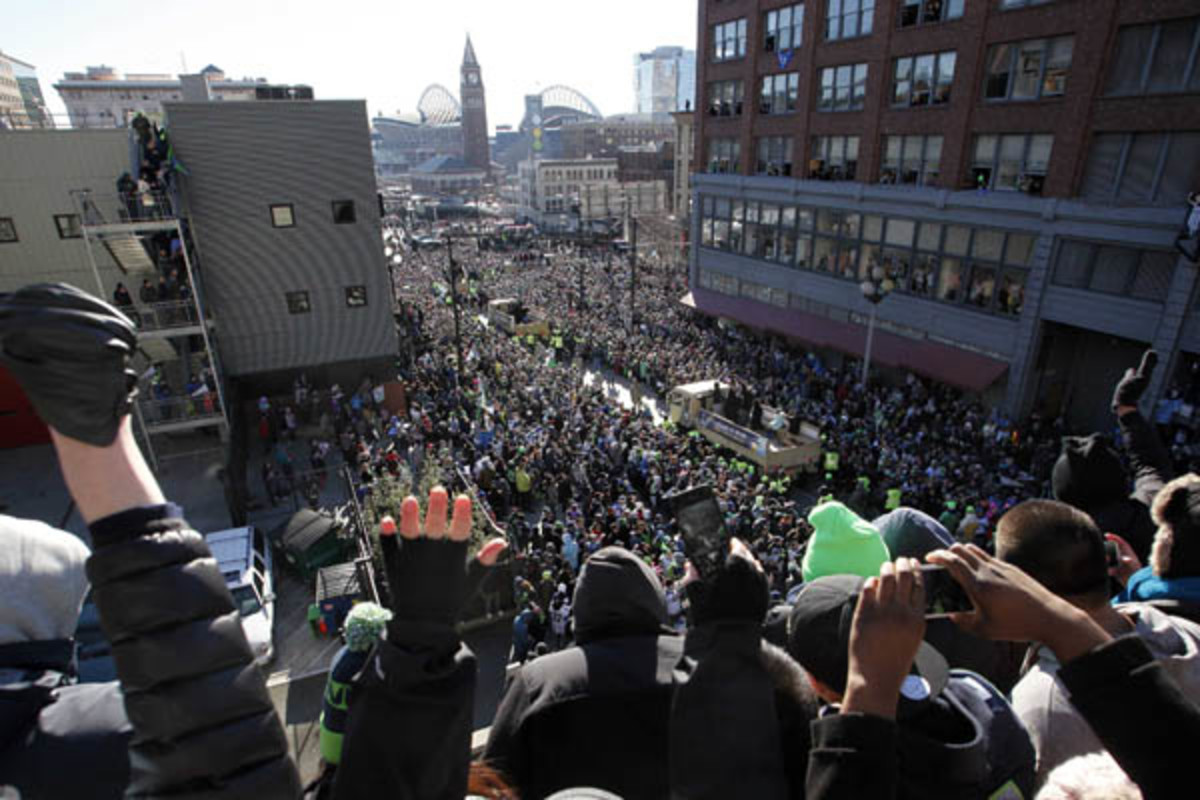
(452, 274)
(632, 268)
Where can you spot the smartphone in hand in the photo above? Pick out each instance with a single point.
(943, 594)
(703, 528)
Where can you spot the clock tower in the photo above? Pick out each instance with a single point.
(474, 112)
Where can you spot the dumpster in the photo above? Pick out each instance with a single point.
(311, 540)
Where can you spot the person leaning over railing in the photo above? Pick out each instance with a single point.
(204, 725)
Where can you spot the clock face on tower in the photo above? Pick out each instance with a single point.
(473, 79)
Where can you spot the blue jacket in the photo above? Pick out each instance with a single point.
(1144, 585)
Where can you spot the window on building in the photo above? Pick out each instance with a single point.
(1112, 269)
(779, 93)
(297, 302)
(927, 12)
(923, 80)
(356, 296)
(68, 226)
(1028, 70)
(774, 156)
(845, 19)
(724, 155)
(784, 28)
(911, 160)
(1159, 58)
(8, 230)
(1144, 168)
(834, 158)
(1011, 162)
(843, 88)
(343, 212)
(283, 216)
(725, 99)
(1006, 5)
(729, 40)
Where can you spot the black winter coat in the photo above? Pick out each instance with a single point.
(204, 724)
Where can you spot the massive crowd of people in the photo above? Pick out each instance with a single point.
(820, 657)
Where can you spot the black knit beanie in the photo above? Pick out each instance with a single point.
(1089, 473)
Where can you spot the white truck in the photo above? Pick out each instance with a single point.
(695, 406)
(244, 559)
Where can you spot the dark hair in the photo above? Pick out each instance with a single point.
(1057, 544)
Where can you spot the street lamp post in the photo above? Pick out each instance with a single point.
(876, 287)
(452, 270)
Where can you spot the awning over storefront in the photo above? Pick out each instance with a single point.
(952, 365)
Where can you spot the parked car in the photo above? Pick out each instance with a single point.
(245, 560)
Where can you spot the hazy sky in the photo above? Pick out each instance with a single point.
(385, 52)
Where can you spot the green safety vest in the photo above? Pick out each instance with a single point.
(529, 339)
(831, 462)
(558, 343)
(893, 500)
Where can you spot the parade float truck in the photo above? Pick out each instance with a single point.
(782, 447)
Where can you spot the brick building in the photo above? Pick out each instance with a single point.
(1016, 168)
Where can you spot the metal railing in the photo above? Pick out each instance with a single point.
(117, 208)
(180, 409)
(164, 316)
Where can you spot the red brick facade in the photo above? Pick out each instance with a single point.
(1071, 118)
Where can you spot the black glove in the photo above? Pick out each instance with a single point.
(70, 353)
(1131, 387)
(430, 581)
(737, 593)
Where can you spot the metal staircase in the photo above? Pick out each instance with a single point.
(129, 254)
(175, 338)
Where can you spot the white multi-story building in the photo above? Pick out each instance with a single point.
(664, 80)
(100, 98)
(21, 103)
(547, 191)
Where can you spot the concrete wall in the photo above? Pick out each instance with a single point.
(243, 158)
(38, 170)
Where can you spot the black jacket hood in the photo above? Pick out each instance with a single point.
(618, 595)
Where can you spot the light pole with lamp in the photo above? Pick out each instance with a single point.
(874, 288)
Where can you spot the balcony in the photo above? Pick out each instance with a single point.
(114, 213)
(181, 413)
(173, 318)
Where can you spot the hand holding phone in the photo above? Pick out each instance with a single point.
(943, 594)
(703, 529)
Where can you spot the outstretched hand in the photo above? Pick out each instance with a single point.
(887, 629)
(70, 352)
(1012, 606)
(426, 564)
(1133, 384)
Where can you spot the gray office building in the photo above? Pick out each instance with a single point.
(281, 202)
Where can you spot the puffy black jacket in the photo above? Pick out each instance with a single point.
(59, 739)
(204, 723)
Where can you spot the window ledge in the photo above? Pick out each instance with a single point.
(1054, 98)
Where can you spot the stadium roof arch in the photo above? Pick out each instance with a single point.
(562, 104)
(438, 107)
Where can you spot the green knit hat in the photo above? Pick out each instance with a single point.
(364, 625)
(843, 543)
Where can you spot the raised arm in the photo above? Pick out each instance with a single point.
(204, 724)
